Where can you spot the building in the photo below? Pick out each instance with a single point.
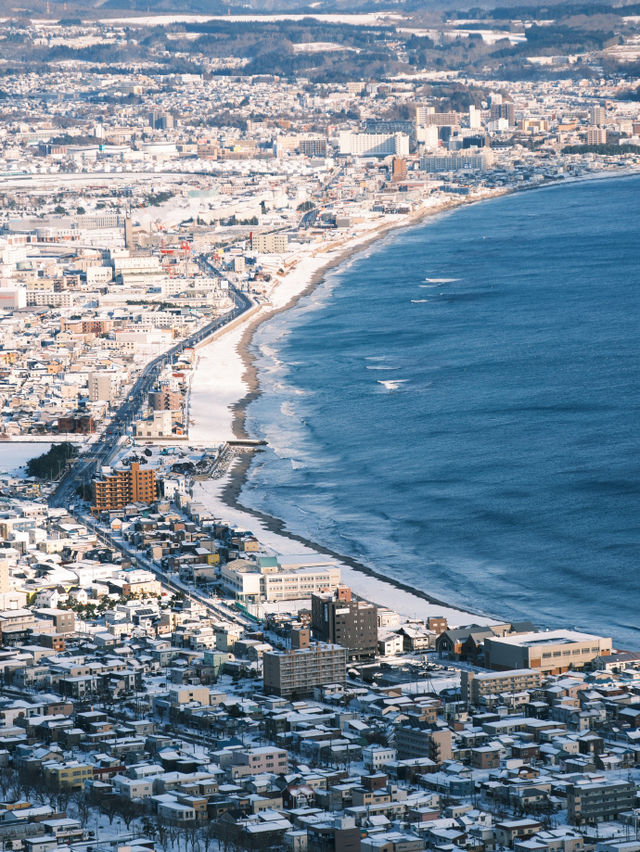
(477, 685)
(103, 386)
(373, 144)
(76, 424)
(159, 425)
(269, 243)
(119, 487)
(336, 835)
(298, 672)
(504, 110)
(552, 652)
(64, 620)
(352, 624)
(398, 169)
(414, 741)
(375, 757)
(161, 120)
(597, 115)
(67, 776)
(165, 400)
(592, 802)
(596, 136)
(458, 161)
(313, 146)
(426, 116)
(265, 579)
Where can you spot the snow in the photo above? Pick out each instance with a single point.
(14, 456)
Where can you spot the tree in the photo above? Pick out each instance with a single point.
(50, 465)
(60, 210)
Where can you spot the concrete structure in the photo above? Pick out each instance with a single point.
(467, 161)
(414, 741)
(373, 144)
(121, 486)
(555, 651)
(297, 673)
(476, 685)
(103, 386)
(269, 243)
(592, 802)
(352, 624)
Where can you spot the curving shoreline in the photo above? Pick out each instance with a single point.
(230, 494)
(232, 487)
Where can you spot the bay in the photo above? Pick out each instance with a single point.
(458, 408)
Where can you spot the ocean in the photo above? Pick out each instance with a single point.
(457, 407)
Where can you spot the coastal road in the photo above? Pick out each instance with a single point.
(86, 466)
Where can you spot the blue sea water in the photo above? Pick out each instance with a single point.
(458, 407)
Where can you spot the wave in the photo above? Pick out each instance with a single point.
(419, 301)
(391, 384)
(381, 367)
(288, 409)
(442, 280)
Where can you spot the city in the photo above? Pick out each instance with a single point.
(179, 672)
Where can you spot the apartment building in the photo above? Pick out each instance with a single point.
(103, 386)
(373, 144)
(414, 741)
(458, 161)
(263, 759)
(477, 685)
(298, 672)
(591, 802)
(122, 486)
(353, 624)
(165, 400)
(269, 243)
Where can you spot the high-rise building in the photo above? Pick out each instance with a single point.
(427, 116)
(597, 115)
(122, 486)
(313, 146)
(474, 118)
(161, 120)
(352, 624)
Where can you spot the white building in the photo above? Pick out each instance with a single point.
(373, 144)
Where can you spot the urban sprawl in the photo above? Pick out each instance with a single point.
(170, 680)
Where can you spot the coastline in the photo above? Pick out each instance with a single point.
(228, 495)
(233, 350)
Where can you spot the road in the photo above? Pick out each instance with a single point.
(86, 466)
(216, 608)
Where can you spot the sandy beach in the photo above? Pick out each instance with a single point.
(226, 381)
